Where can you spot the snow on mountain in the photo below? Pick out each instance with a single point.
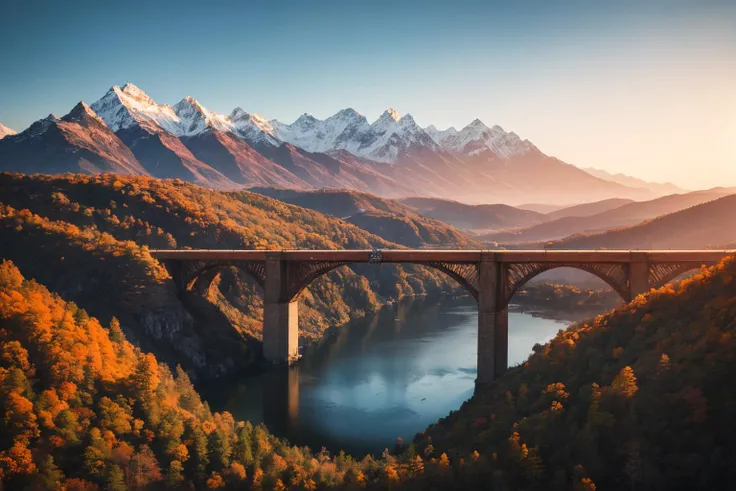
(123, 108)
(195, 118)
(394, 136)
(5, 131)
(252, 127)
(344, 130)
(126, 107)
(476, 138)
(440, 135)
(384, 140)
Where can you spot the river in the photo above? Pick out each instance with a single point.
(387, 376)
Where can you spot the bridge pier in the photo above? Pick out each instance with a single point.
(638, 275)
(280, 315)
(493, 321)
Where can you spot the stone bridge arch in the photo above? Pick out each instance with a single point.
(516, 275)
(300, 274)
(663, 273)
(190, 274)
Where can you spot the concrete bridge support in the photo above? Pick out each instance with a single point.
(493, 321)
(638, 275)
(280, 314)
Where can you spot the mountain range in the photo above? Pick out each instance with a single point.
(128, 132)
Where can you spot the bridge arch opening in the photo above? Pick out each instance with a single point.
(201, 276)
(673, 274)
(519, 275)
(464, 275)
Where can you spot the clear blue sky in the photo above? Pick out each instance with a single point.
(646, 87)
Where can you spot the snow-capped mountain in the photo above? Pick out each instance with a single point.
(5, 131)
(252, 127)
(476, 138)
(386, 140)
(122, 108)
(343, 131)
(392, 156)
(193, 118)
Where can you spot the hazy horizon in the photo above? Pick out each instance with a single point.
(644, 90)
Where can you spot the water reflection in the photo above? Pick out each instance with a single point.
(366, 384)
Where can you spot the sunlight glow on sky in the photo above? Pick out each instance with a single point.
(643, 87)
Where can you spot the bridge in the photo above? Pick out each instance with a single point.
(492, 277)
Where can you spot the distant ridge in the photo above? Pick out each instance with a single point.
(706, 225)
(622, 216)
(663, 188)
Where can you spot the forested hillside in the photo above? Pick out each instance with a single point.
(640, 398)
(86, 237)
(386, 218)
(85, 410)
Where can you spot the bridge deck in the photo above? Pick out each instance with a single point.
(446, 255)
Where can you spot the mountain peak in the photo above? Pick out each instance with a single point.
(407, 119)
(390, 113)
(477, 124)
(129, 92)
(188, 102)
(348, 112)
(305, 120)
(239, 113)
(133, 90)
(82, 113)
